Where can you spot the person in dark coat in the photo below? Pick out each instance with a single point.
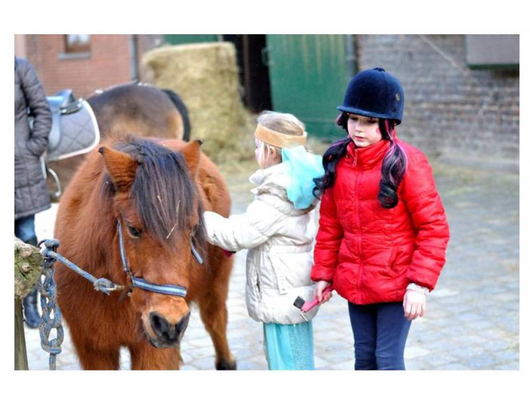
(31, 195)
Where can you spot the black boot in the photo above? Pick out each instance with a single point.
(31, 312)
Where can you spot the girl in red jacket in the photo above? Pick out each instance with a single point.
(383, 231)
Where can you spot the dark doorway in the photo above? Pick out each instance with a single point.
(253, 73)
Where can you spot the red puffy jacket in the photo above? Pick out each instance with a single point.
(370, 253)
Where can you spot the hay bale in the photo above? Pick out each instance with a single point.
(205, 75)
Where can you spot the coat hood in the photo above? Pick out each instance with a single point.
(273, 181)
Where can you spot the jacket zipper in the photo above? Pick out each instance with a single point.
(359, 174)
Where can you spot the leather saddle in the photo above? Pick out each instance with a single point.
(63, 102)
(74, 126)
(74, 131)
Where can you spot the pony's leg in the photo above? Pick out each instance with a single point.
(97, 359)
(146, 357)
(214, 315)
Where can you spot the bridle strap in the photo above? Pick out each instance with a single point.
(165, 289)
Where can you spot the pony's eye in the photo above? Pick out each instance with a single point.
(135, 233)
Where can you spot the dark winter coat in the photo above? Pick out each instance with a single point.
(370, 253)
(31, 195)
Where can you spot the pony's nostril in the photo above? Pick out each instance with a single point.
(164, 330)
(181, 326)
(159, 324)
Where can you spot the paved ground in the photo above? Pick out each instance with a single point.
(472, 319)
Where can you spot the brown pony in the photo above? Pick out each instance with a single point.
(144, 110)
(157, 190)
(139, 109)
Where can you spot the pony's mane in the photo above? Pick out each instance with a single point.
(165, 195)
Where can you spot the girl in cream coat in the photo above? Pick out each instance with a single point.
(278, 229)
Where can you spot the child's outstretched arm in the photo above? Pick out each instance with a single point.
(244, 231)
(428, 216)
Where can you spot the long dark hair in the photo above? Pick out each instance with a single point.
(392, 170)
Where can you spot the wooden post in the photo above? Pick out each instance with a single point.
(28, 268)
(21, 356)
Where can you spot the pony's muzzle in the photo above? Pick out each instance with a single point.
(167, 334)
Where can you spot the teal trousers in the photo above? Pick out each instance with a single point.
(289, 347)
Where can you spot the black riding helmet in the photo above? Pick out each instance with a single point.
(375, 93)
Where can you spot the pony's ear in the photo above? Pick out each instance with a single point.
(121, 167)
(192, 153)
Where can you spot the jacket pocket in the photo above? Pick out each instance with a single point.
(253, 285)
(393, 258)
(387, 264)
(257, 286)
(37, 146)
(280, 282)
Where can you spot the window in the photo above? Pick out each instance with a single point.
(492, 51)
(77, 44)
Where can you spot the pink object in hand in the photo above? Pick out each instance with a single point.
(311, 304)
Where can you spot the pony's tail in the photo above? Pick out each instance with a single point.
(392, 170)
(183, 110)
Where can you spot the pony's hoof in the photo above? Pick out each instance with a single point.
(226, 365)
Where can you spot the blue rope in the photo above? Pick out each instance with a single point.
(101, 285)
(51, 313)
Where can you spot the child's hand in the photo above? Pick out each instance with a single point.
(414, 304)
(321, 285)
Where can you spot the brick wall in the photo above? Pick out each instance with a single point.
(107, 64)
(450, 110)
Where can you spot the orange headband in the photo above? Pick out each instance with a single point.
(278, 139)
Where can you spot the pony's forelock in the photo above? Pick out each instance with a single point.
(166, 198)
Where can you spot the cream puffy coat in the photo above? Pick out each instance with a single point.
(280, 243)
